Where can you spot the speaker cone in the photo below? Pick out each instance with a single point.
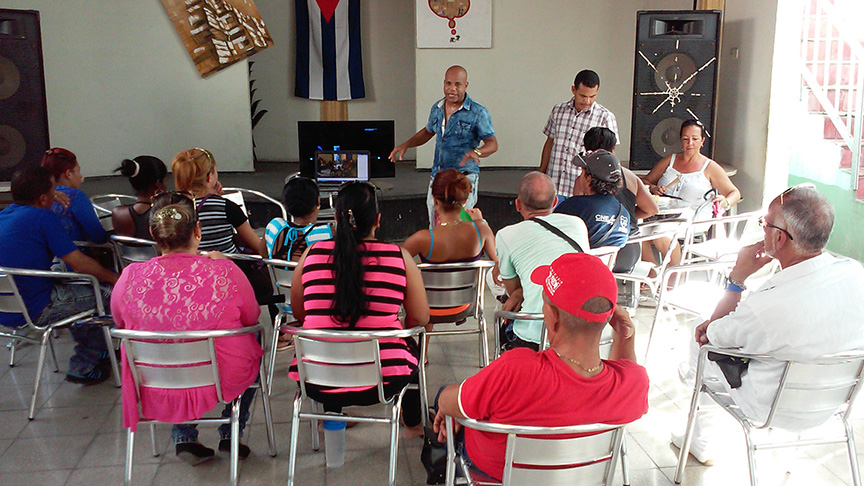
(666, 138)
(10, 78)
(12, 147)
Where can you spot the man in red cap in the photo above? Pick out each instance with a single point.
(567, 384)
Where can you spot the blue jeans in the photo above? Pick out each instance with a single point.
(67, 300)
(469, 203)
(188, 433)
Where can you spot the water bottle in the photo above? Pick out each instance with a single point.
(334, 442)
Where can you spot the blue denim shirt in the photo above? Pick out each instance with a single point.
(466, 128)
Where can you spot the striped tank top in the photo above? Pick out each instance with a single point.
(384, 284)
(217, 230)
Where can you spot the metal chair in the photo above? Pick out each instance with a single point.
(238, 195)
(281, 275)
(585, 460)
(607, 254)
(642, 273)
(819, 389)
(721, 237)
(103, 204)
(184, 360)
(456, 291)
(133, 250)
(11, 302)
(342, 358)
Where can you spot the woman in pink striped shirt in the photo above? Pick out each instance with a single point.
(357, 282)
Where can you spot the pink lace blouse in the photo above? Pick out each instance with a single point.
(179, 292)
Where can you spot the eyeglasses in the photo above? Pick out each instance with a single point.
(765, 224)
(808, 185)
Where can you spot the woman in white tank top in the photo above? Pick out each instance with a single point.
(689, 174)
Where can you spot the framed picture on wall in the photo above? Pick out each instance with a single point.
(454, 23)
(218, 33)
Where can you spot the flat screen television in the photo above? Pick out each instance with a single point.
(373, 136)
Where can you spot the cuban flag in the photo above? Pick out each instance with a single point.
(329, 60)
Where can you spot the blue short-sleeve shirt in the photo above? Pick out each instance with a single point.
(470, 125)
(32, 237)
(79, 219)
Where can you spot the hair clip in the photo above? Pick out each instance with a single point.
(351, 219)
(137, 168)
(169, 212)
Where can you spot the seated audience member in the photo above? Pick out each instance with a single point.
(567, 384)
(454, 239)
(147, 175)
(689, 176)
(185, 291)
(79, 218)
(33, 236)
(607, 220)
(287, 240)
(810, 308)
(633, 194)
(195, 172)
(538, 240)
(356, 282)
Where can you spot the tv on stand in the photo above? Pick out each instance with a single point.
(373, 136)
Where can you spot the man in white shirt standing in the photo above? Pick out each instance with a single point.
(812, 307)
(566, 129)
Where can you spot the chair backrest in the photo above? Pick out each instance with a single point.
(133, 250)
(10, 299)
(175, 359)
(817, 390)
(455, 290)
(103, 204)
(721, 237)
(281, 276)
(673, 229)
(538, 455)
(342, 358)
(607, 254)
(238, 195)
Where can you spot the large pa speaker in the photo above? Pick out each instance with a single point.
(675, 78)
(23, 112)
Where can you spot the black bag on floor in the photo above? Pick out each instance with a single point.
(434, 457)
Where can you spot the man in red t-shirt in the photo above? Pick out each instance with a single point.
(567, 384)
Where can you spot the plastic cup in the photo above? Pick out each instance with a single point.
(334, 442)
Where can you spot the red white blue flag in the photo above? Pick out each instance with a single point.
(329, 60)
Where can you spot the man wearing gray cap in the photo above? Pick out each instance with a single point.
(607, 220)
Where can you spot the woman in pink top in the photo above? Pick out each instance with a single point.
(357, 282)
(181, 291)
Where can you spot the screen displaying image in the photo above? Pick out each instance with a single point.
(342, 166)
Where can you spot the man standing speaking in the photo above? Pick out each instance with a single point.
(459, 125)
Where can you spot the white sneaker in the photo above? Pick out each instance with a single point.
(697, 450)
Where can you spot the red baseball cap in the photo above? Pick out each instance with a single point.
(574, 278)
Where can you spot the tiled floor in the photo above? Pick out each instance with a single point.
(77, 437)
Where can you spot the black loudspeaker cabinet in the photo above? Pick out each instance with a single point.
(675, 78)
(23, 111)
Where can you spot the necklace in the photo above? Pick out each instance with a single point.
(587, 370)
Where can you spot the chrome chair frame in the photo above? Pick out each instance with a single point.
(562, 461)
(133, 250)
(641, 272)
(281, 275)
(450, 285)
(12, 302)
(724, 237)
(352, 360)
(607, 254)
(258, 194)
(104, 204)
(163, 367)
(795, 393)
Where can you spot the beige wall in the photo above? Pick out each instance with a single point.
(119, 83)
(388, 65)
(744, 94)
(537, 49)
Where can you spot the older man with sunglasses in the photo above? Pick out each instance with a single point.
(812, 307)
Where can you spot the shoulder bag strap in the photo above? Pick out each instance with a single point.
(612, 227)
(558, 232)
